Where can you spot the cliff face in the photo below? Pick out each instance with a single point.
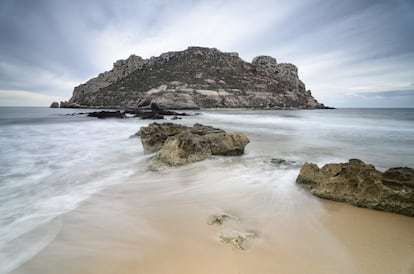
(196, 78)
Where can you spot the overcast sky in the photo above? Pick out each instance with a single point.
(350, 53)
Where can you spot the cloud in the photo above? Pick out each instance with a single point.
(219, 24)
(341, 47)
(28, 77)
(391, 94)
(23, 98)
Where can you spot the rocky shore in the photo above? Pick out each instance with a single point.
(362, 185)
(354, 182)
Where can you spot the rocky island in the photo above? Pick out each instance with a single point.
(196, 78)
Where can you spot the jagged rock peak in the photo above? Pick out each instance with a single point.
(132, 63)
(264, 61)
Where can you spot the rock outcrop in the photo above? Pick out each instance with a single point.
(362, 185)
(107, 114)
(178, 145)
(54, 105)
(196, 78)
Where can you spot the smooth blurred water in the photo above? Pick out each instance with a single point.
(51, 162)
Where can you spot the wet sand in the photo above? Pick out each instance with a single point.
(157, 223)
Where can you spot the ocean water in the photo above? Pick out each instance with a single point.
(52, 163)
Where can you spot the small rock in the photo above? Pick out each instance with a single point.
(236, 238)
(219, 219)
(283, 162)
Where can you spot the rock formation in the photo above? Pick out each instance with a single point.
(362, 185)
(107, 114)
(196, 78)
(178, 145)
(54, 105)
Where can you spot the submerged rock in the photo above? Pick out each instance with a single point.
(236, 238)
(284, 163)
(362, 185)
(179, 145)
(219, 219)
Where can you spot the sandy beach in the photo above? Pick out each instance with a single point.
(160, 225)
(88, 203)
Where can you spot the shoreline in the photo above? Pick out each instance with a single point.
(119, 230)
(138, 221)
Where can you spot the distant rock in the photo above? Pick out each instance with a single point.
(107, 114)
(54, 105)
(196, 78)
(178, 145)
(362, 185)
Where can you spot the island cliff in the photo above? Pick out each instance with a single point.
(196, 78)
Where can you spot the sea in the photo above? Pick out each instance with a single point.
(76, 195)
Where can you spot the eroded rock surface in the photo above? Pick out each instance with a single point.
(362, 185)
(178, 145)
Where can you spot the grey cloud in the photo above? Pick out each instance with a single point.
(390, 93)
(62, 40)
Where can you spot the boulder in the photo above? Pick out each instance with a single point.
(54, 105)
(179, 145)
(183, 148)
(154, 135)
(362, 185)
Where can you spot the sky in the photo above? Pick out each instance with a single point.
(349, 53)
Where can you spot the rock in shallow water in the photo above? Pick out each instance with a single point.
(284, 163)
(179, 145)
(219, 219)
(236, 238)
(154, 135)
(362, 185)
(107, 114)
